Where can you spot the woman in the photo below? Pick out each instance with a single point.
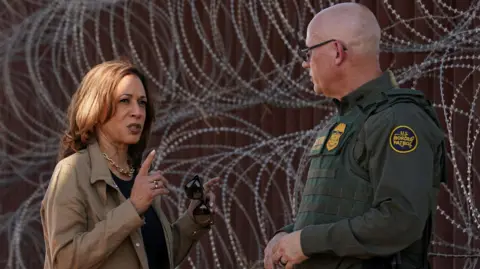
(102, 207)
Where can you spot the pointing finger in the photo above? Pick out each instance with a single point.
(146, 164)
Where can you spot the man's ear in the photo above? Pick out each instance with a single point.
(341, 54)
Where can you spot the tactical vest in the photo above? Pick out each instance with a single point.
(331, 192)
(337, 187)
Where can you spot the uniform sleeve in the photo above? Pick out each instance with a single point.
(64, 221)
(286, 229)
(185, 233)
(401, 160)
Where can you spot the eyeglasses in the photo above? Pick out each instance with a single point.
(305, 53)
(194, 190)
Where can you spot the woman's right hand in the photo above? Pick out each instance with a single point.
(147, 187)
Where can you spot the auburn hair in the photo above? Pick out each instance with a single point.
(94, 97)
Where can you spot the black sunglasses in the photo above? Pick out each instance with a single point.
(304, 53)
(195, 191)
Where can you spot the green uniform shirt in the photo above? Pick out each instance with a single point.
(378, 181)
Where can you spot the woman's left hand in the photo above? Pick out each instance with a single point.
(209, 200)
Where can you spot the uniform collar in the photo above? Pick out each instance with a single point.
(366, 94)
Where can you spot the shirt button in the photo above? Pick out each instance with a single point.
(115, 185)
(137, 244)
(194, 233)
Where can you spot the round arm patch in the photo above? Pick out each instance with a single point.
(403, 139)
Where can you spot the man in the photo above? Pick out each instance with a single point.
(375, 169)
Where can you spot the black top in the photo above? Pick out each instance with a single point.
(152, 230)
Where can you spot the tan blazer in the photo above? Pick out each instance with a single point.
(88, 223)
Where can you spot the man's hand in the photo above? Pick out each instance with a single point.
(268, 253)
(288, 251)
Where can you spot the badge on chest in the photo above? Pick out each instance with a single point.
(330, 139)
(335, 136)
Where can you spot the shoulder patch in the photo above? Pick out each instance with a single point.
(403, 139)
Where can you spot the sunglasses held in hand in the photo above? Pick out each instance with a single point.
(202, 214)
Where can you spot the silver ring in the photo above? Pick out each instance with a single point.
(283, 263)
(156, 184)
